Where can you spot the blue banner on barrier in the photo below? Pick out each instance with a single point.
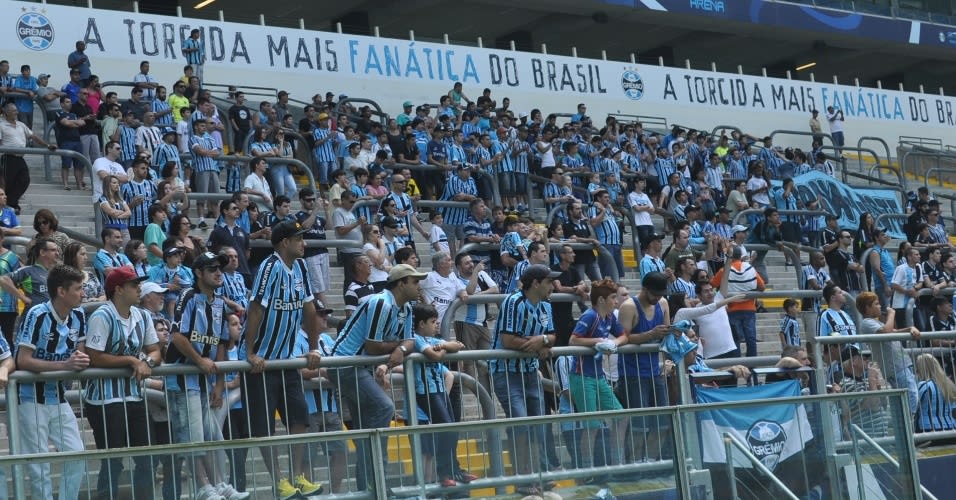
(772, 432)
(848, 203)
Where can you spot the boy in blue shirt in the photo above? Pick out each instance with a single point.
(431, 388)
(789, 326)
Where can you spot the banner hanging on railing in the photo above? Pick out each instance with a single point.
(773, 432)
(848, 203)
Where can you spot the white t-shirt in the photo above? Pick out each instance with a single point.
(905, 276)
(756, 183)
(441, 291)
(640, 200)
(836, 124)
(712, 326)
(437, 235)
(254, 183)
(104, 164)
(547, 158)
(378, 274)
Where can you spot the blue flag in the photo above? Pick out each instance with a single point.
(773, 432)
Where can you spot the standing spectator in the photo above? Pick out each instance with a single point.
(713, 326)
(462, 188)
(9, 222)
(642, 209)
(67, 128)
(741, 278)
(846, 271)
(230, 234)
(470, 319)
(360, 288)
(27, 85)
(29, 284)
(9, 262)
(148, 136)
(348, 227)
(907, 281)
(199, 338)
(162, 110)
(120, 335)
(441, 286)
(324, 149)
(256, 182)
(314, 216)
(570, 281)
(194, 51)
(234, 290)
(406, 213)
(578, 229)
(815, 277)
(139, 194)
(79, 62)
(477, 228)
(77, 257)
(240, 120)
(49, 338)
(380, 326)
(146, 82)
(49, 96)
(836, 119)
(155, 235)
(882, 267)
(607, 231)
(524, 324)
(815, 128)
(890, 355)
(767, 232)
(646, 319)
(113, 208)
(15, 134)
(282, 302)
(206, 169)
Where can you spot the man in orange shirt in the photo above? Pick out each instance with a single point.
(741, 278)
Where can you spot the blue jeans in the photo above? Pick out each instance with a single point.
(282, 181)
(323, 169)
(521, 395)
(744, 324)
(371, 408)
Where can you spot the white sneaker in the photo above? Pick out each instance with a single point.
(207, 492)
(229, 493)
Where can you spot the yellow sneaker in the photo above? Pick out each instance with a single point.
(285, 490)
(307, 488)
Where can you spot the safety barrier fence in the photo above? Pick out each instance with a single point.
(680, 458)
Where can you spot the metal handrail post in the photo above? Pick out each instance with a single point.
(886, 147)
(448, 320)
(730, 442)
(13, 430)
(47, 153)
(800, 133)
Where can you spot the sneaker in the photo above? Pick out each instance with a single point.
(522, 208)
(465, 477)
(203, 225)
(208, 493)
(448, 483)
(306, 487)
(229, 493)
(285, 490)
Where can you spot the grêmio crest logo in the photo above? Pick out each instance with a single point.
(766, 440)
(632, 84)
(35, 30)
(707, 5)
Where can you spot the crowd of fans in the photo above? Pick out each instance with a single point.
(180, 292)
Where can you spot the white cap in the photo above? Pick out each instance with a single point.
(738, 228)
(149, 287)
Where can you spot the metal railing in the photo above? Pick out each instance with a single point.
(731, 443)
(603, 254)
(46, 153)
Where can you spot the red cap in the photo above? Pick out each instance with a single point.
(120, 276)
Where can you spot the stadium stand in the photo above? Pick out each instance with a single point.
(458, 263)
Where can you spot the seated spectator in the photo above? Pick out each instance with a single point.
(936, 395)
(868, 413)
(77, 257)
(180, 227)
(135, 251)
(47, 225)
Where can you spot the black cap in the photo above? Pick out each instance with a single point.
(209, 259)
(286, 229)
(537, 272)
(692, 208)
(655, 282)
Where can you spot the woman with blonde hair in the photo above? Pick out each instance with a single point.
(937, 393)
(113, 208)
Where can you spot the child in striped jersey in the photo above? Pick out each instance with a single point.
(789, 326)
(171, 275)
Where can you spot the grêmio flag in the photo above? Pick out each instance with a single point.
(772, 432)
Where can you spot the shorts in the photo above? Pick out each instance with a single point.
(521, 183)
(189, 417)
(318, 266)
(592, 394)
(454, 232)
(328, 421)
(65, 161)
(506, 183)
(206, 182)
(270, 392)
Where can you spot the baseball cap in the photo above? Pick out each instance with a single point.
(615, 151)
(738, 228)
(407, 104)
(523, 114)
(323, 116)
(656, 283)
(286, 229)
(321, 309)
(403, 271)
(168, 131)
(209, 259)
(42, 76)
(169, 252)
(537, 272)
(120, 276)
(150, 287)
